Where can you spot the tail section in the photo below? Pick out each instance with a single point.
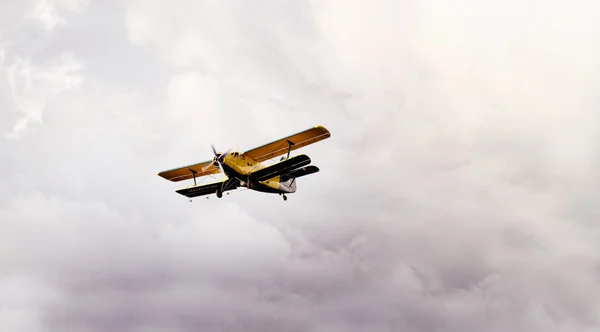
(280, 184)
(287, 185)
(288, 181)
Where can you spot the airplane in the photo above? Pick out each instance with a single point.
(247, 169)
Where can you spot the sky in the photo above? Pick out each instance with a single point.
(458, 190)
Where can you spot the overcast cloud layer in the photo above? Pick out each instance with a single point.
(458, 192)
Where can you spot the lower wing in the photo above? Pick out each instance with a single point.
(210, 188)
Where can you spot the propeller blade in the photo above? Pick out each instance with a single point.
(216, 159)
(207, 166)
(225, 153)
(221, 168)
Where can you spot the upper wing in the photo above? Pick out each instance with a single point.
(280, 147)
(281, 167)
(187, 172)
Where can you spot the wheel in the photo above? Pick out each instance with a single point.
(219, 193)
(284, 197)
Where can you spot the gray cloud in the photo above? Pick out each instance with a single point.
(457, 191)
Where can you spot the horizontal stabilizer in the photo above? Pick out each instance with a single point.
(282, 167)
(299, 172)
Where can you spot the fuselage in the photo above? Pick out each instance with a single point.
(239, 166)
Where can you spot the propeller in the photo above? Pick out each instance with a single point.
(217, 159)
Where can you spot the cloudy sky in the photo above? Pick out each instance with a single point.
(458, 192)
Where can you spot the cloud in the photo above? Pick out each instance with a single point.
(33, 81)
(456, 193)
(32, 86)
(46, 12)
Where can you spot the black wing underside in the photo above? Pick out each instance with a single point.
(299, 172)
(281, 168)
(208, 189)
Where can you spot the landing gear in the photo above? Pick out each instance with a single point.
(219, 193)
(284, 197)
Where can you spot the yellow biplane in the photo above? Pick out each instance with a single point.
(247, 169)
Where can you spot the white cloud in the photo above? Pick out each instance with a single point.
(72, 5)
(46, 14)
(33, 86)
(21, 303)
(35, 80)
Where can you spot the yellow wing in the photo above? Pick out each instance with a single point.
(187, 172)
(280, 146)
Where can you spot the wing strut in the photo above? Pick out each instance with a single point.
(289, 148)
(227, 183)
(194, 175)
